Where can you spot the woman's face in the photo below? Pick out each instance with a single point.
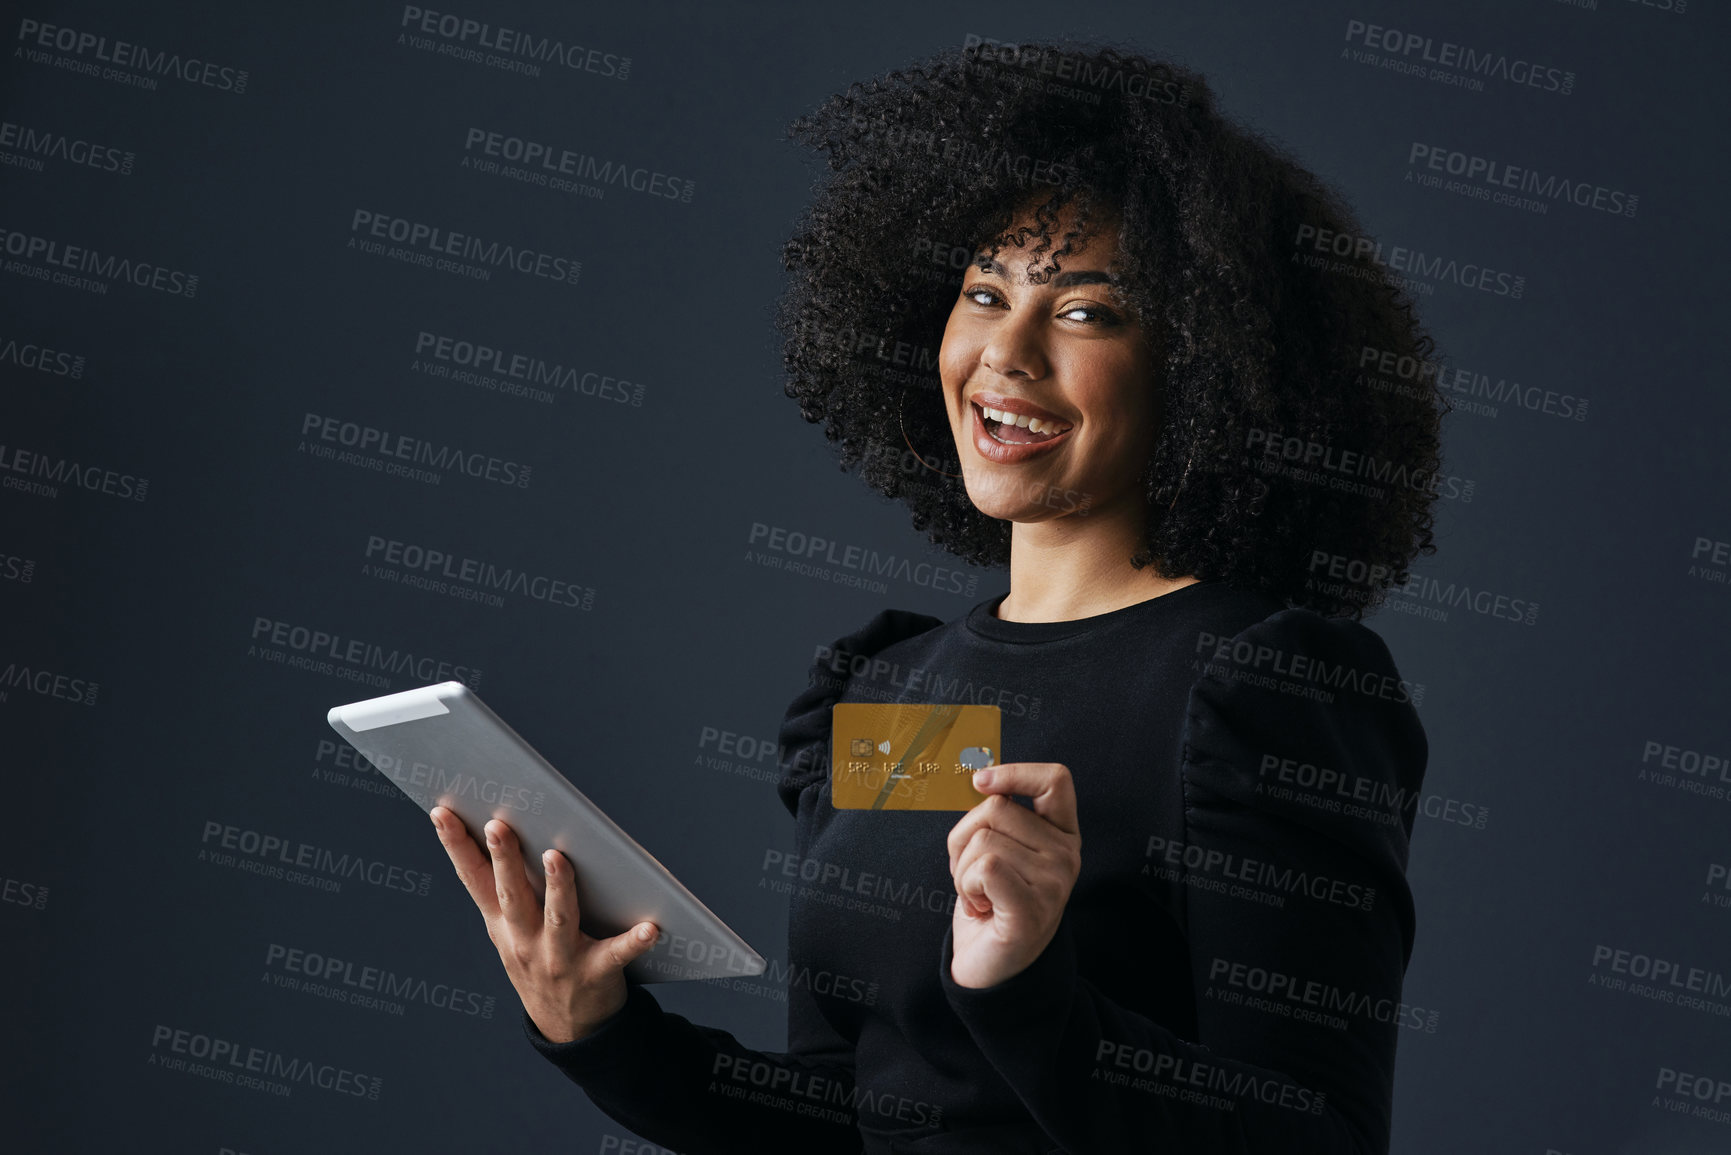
(1064, 351)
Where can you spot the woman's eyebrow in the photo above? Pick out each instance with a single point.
(1061, 281)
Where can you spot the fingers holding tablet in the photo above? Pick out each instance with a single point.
(561, 902)
(570, 983)
(517, 903)
(474, 869)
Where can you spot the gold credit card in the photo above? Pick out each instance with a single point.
(910, 755)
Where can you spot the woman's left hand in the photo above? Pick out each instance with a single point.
(1013, 869)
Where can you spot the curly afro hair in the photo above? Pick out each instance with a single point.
(1279, 464)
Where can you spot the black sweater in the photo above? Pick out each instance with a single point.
(1227, 973)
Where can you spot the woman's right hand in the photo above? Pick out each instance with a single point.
(569, 982)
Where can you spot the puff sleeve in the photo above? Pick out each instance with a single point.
(695, 1088)
(1302, 758)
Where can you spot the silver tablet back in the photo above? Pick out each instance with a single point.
(442, 746)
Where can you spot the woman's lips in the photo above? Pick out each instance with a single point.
(1001, 452)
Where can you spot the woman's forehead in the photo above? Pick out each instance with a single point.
(1097, 250)
(1095, 247)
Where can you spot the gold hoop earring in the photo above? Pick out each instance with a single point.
(899, 407)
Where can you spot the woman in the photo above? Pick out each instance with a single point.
(1194, 936)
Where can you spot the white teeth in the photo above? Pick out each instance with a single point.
(1032, 424)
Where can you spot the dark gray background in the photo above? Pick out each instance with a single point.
(1541, 727)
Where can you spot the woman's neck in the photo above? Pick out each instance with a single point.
(1078, 567)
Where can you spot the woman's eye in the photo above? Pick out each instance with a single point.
(1091, 312)
(980, 295)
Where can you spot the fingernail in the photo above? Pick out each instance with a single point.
(492, 837)
(551, 862)
(643, 932)
(983, 777)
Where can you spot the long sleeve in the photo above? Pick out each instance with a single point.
(697, 1089)
(1301, 757)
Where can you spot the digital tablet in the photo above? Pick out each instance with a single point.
(442, 746)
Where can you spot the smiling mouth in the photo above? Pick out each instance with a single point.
(1008, 434)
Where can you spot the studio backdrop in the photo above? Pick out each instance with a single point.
(346, 348)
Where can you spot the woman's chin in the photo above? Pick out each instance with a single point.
(1004, 500)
